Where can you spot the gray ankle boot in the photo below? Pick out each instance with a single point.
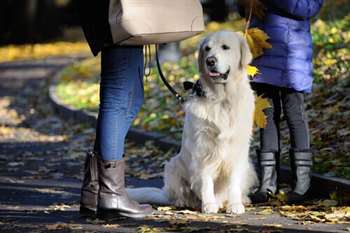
(90, 187)
(268, 162)
(301, 164)
(113, 200)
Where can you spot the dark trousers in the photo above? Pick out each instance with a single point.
(291, 103)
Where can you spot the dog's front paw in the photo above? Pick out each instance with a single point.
(237, 208)
(210, 208)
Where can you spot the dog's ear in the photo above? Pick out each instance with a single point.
(200, 52)
(203, 41)
(246, 55)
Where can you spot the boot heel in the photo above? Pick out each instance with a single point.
(90, 186)
(86, 212)
(106, 214)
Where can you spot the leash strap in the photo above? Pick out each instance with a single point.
(249, 18)
(166, 83)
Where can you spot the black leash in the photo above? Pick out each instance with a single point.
(166, 83)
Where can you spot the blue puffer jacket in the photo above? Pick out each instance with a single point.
(289, 62)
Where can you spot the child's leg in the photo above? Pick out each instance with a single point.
(270, 135)
(268, 155)
(293, 108)
(300, 153)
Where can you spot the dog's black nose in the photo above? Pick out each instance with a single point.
(211, 61)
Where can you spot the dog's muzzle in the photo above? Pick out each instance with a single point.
(215, 75)
(211, 63)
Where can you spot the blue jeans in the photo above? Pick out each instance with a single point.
(121, 97)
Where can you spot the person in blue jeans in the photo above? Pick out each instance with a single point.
(285, 76)
(121, 97)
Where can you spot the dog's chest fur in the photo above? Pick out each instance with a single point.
(214, 123)
(213, 113)
(208, 126)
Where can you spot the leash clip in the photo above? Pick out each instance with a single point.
(180, 98)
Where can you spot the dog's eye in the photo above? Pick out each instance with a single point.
(207, 48)
(225, 47)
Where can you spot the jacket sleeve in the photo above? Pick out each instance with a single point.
(304, 9)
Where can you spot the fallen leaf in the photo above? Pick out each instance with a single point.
(147, 229)
(273, 225)
(56, 226)
(111, 226)
(164, 208)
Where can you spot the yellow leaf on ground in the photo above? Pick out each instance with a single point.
(259, 117)
(266, 211)
(111, 226)
(188, 212)
(147, 229)
(164, 208)
(273, 225)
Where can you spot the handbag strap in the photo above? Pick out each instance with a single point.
(166, 83)
(147, 61)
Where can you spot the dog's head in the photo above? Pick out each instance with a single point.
(221, 55)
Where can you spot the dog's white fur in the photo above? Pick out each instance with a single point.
(213, 169)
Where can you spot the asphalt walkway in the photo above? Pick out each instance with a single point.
(41, 160)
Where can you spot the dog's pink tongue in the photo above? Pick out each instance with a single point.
(214, 74)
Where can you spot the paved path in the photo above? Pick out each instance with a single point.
(41, 159)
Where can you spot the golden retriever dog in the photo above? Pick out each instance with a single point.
(213, 169)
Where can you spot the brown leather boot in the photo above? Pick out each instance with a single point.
(113, 200)
(90, 187)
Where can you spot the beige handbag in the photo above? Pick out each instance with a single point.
(143, 22)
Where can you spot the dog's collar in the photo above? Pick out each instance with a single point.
(195, 87)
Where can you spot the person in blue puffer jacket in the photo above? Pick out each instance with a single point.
(285, 76)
